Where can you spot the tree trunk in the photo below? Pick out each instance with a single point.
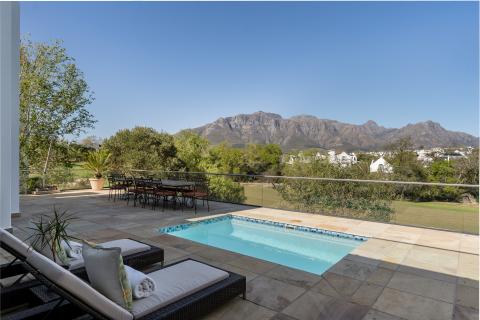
(26, 161)
(46, 163)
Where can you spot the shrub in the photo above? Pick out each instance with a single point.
(224, 189)
(351, 199)
(33, 183)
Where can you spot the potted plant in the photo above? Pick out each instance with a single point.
(49, 232)
(98, 162)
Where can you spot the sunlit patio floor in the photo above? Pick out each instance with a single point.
(399, 273)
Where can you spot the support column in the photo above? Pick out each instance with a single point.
(9, 111)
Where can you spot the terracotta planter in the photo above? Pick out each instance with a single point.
(97, 184)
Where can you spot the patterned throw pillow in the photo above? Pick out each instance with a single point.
(125, 283)
(107, 274)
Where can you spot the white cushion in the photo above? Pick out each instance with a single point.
(176, 282)
(106, 273)
(127, 246)
(76, 263)
(75, 286)
(13, 242)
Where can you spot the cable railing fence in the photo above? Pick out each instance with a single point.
(448, 206)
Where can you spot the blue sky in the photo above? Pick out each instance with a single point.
(178, 65)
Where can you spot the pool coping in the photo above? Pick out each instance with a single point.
(209, 220)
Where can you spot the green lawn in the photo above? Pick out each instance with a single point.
(79, 171)
(443, 215)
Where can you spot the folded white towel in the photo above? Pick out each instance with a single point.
(73, 249)
(142, 285)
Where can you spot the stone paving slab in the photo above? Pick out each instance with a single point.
(395, 277)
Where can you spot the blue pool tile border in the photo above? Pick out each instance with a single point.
(184, 226)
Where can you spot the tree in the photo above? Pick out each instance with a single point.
(467, 171)
(91, 142)
(142, 148)
(261, 159)
(191, 149)
(225, 159)
(404, 161)
(366, 158)
(53, 100)
(440, 171)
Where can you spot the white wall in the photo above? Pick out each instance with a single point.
(9, 111)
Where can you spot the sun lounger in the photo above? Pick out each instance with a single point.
(135, 254)
(185, 290)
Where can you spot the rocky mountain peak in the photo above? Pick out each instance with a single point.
(306, 131)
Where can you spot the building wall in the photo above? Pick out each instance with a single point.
(9, 111)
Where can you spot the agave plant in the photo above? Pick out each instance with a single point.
(98, 162)
(48, 232)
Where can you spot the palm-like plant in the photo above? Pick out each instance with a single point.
(49, 231)
(98, 162)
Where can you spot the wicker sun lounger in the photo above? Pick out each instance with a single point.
(62, 295)
(137, 255)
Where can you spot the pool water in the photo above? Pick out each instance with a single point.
(304, 250)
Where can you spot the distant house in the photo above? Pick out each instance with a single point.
(381, 165)
(423, 156)
(319, 156)
(455, 155)
(343, 159)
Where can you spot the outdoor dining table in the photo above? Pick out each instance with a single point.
(176, 183)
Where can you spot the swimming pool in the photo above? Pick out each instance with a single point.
(309, 249)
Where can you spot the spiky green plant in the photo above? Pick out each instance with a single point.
(98, 162)
(50, 231)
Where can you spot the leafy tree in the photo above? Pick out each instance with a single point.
(406, 167)
(404, 161)
(53, 100)
(91, 142)
(77, 152)
(225, 159)
(366, 158)
(142, 148)
(442, 171)
(261, 159)
(191, 150)
(466, 169)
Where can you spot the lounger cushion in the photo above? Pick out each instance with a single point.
(13, 242)
(107, 274)
(75, 286)
(127, 246)
(176, 282)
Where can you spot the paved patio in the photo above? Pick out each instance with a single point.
(399, 273)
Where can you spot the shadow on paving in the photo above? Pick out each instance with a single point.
(357, 287)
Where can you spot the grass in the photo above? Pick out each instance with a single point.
(80, 172)
(442, 215)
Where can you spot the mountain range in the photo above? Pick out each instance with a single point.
(305, 131)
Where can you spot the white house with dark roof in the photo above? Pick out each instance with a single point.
(381, 165)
